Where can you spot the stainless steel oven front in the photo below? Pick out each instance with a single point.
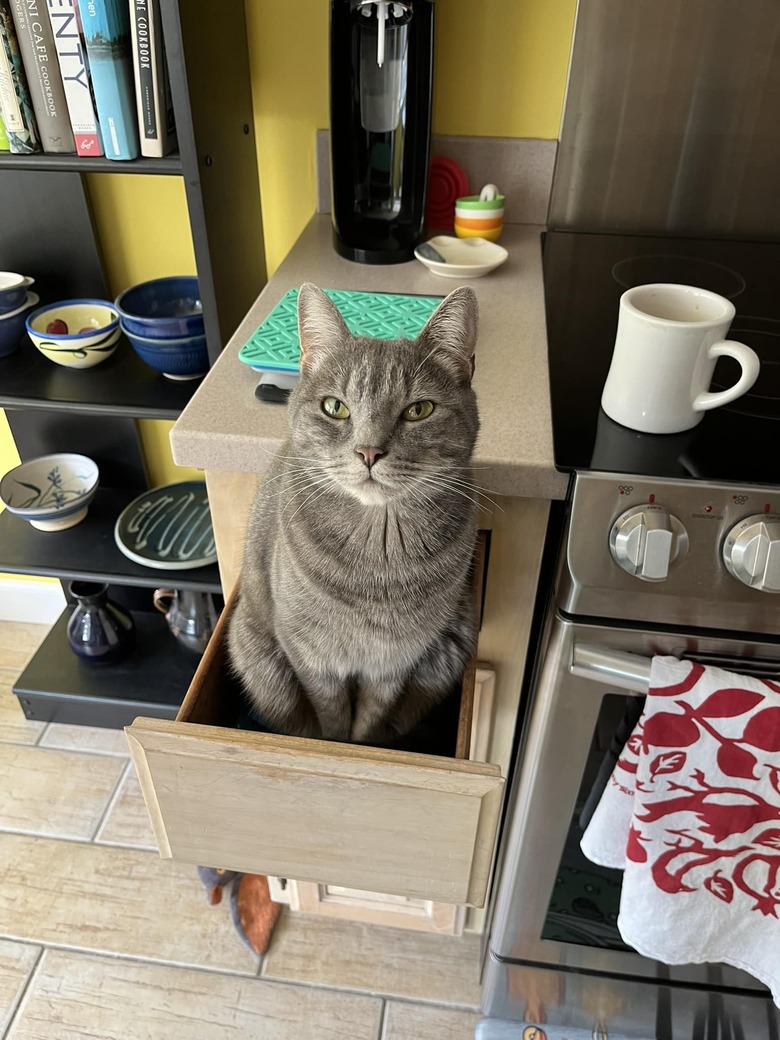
(555, 954)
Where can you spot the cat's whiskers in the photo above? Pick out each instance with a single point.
(425, 496)
(301, 483)
(307, 486)
(294, 471)
(467, 485)
(484, 499)
(435, 475)
(314, 488)
(441, 471)
(329, 485)
(285, 457)
(444, 486)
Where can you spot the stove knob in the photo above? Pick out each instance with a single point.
(751, 552)
(644, 541)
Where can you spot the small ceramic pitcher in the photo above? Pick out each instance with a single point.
(99, 630)
(191, 616)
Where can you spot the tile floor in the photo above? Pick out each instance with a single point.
(101, 939)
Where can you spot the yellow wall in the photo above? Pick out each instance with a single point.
(500, 72)
(144, 232)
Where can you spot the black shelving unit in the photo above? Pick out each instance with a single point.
(58, 686)
(47, 232)
(88, 551)
(121, 385)
(169, 164)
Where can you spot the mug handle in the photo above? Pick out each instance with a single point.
(159, 596)
(748, 360)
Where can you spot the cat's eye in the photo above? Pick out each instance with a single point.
(418, 410)
(334, 408)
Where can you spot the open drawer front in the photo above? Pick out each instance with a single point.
(397, 822)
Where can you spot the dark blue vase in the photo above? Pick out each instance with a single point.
(98, 630)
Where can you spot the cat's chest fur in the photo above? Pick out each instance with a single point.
(371, 582)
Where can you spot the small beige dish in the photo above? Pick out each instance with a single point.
(464, 257)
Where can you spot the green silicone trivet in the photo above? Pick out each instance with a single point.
(275, 347)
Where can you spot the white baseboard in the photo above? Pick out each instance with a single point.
(38, 602)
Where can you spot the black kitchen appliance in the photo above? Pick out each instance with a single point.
(381, 72)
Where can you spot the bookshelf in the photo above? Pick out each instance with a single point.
(169, 164)
(47, 232)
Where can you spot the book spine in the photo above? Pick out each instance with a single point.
(152, 87)
(69, 43)
(15, 104)
(4, 145)
(36, 43)
(109, 49)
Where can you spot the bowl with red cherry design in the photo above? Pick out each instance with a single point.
(75, 333)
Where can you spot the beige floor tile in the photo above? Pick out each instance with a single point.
(78, 996)
(127, 821)
(18, 642)
(421, 1022)
(85, 738)
(398, 963)
(13, 724)
(57, 793)
(106, 899)
(16, 962)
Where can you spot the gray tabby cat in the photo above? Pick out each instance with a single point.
(354, 616)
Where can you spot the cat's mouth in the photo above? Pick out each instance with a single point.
(371, 491)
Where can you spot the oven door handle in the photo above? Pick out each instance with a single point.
(615, 667)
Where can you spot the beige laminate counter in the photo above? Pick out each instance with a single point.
(225, 427)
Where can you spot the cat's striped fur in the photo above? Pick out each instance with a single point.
(354, 615)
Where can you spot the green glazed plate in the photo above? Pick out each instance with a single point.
(168, 528)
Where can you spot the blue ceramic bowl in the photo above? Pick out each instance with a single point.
(183, 358)
(165, 308)
(13, 291)
(52, 492)
(12, 325)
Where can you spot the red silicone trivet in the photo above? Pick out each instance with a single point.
(446, 183)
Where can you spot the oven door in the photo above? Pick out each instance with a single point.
(554, 907)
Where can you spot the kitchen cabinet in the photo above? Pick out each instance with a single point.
(222, 796)
(46, 231)
(420, 915)
(408, 824)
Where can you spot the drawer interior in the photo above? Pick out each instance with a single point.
(215, 698)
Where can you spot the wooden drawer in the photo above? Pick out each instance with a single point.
(421, 915)
(397, 822)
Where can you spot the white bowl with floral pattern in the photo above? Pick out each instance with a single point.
(52, 492)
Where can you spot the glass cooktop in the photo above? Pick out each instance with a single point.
(584, 277)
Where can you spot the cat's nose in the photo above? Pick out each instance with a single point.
(369, 455)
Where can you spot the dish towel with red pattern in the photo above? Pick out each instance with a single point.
(691, 814)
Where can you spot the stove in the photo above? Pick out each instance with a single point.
(584, 277)
(671, 545)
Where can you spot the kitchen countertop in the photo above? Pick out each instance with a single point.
(225, 427)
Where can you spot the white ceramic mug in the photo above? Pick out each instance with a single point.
(669, 338)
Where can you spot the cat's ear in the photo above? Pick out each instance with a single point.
(320, 326)
(450, 334)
